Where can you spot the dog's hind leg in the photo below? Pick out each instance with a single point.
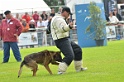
(33, 65)
(48, 69)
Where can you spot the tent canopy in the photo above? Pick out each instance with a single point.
(20, 6)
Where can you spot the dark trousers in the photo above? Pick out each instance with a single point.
(15, 49)
(71, 50)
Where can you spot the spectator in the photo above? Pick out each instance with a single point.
(1, 16)
(32, 25)
(26, 17)
(32, 29)
(52, 14)
(11, 29)
(107, 18)
(49, 25)
(25, 26)
(35, 16)
(113, 19)
(40, 23)
(119, 31)
(17, 16)
(44, 16)
(46, 22)
(115, 13)
(60, 10)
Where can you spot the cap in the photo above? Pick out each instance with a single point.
(7, 12)
(67, 9)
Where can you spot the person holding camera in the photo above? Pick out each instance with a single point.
(60, 34)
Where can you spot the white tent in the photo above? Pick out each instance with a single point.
(21, 6)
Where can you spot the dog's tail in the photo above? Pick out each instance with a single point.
(20, 70)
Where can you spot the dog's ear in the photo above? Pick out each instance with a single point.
(58, 56)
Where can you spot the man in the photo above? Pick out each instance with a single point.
(60, 10)
(26, 17)
(35, 16)
(60, 34)
(25, 26)
(40, 23)
(44, 16)
(52, 14)
(17, 16)
(10, 30)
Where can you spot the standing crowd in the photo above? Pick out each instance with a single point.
(30, 22)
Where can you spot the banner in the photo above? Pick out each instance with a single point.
(28, 38)
(83, 21)
(111, 32)
(112, 4)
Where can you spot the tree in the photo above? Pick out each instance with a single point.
(54, 2)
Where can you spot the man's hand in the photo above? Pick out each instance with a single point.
(71, 25)
(16, 37)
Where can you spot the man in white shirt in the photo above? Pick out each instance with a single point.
(60, 34)
(40, 23)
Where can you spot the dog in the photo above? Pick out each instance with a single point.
(44, 58)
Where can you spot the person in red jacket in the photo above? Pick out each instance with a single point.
(26, 17)
(35, 16)
(10, 29)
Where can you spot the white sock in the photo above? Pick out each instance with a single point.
(62, 68)
(78, 65)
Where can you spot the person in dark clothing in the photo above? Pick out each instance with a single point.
(44, 16)
(32, 25)
(52, 14)
(107, 18)
(115, 13)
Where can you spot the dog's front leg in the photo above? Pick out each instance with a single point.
(48, 69)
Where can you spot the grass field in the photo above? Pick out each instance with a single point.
(105, 64)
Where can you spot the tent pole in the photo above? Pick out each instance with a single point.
(32, 11)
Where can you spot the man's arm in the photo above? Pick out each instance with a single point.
(19, 28)
(62, 25)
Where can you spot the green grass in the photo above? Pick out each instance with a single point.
(105, 64)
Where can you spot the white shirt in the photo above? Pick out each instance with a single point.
(59, 28)
(113, 19)
(45, 23)
(40, 24)
(8, 20)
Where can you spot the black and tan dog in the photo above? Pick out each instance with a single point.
(44, 58)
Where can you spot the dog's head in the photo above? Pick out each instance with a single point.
(55, 55)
